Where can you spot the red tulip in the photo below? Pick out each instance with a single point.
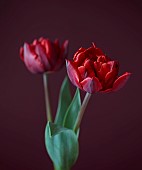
(43, 55)
(92, 71)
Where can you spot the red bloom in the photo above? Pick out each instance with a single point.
(92, 71)
(43, 55)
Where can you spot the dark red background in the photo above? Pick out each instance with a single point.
(111, 132)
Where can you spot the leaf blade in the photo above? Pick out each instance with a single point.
(73, 110)
(63, 102)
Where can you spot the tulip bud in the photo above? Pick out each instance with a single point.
(43, 55)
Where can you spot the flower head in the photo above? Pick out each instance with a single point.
(92, 71)
(43, 55)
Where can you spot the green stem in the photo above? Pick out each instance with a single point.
(47, 102)
(82, 110)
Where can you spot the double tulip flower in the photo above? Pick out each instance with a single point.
(44, 55)
(92, 71)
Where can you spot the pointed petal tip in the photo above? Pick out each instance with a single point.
(67, 61)
(93, 44)
(26, 45)
(121, 81)
(128, 73)
(21, 48)
(66, 43)
(21, 52)
(41, 38)
(56, 41)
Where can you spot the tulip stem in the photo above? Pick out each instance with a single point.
(47, 101)
(82, 110)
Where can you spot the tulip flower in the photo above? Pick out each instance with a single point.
(92, 71)
(43, 55)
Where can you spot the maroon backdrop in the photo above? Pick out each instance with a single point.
(111, 132)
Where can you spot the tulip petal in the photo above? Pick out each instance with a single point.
(63, 54)
(121, 81)
(98, 52)
(35, 42)
(64, 49)
(105, 68)
(73, 73)
(79, 59)
(82, 72)
(98, 85)
(40, 51)
(79, 51)
(57, 46)
(90, 53)
(103, 58)
(32, 61)
(50, 52)
(91, 85)
(110, 78)
(113, 65)
(106, 91)
(22, 53)
(97, 66)
(112, 74)
(89, 66)
(88, 85)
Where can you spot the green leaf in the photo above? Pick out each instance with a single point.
(64, 102)
(62, 146)
(72, 112)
